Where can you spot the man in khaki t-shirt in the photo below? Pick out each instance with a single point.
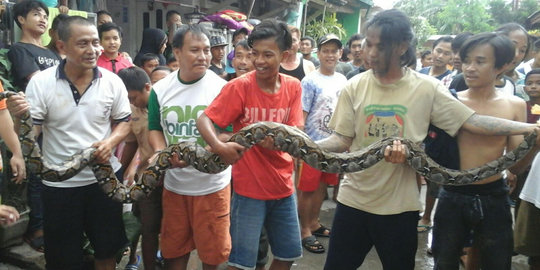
(379, 206)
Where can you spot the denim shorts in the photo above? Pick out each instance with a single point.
(279, 217)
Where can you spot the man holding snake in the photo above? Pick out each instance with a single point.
(75, 104)
(379, 206)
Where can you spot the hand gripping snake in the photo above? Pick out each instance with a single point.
(286, 138)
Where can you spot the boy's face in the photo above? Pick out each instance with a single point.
(138, 98)
(427, 61)
(442, 54)
(329, 54)
(111, 41)
(173, 65)
(532, 86)
(356, 49)
(305, 47)
(266, 58)
(242, 61)
(218, 53)
(519, 38)
(479, 67)
(456, 61)
(158, 75)
(35, 21)
(104, 18)
(174, 19)
(239, 38)
(150, 65)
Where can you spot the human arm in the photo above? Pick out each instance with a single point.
(129, 153)
(335, 143)
(62, 6)
(131, 170)
(104, 148)
(493, 126)
(230, 152)
(520, 109)
(7, 133)
(158, 143)
(130, 159)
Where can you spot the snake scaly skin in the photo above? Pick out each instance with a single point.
(286, 138)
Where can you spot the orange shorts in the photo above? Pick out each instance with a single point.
(310, 178)
(197, 222)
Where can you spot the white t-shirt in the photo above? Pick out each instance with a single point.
(69, 127)
(319, 98)
(369, 111)
(531, 189)
(179, 106)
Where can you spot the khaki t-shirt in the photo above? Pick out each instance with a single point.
(139, 133)
(368, 111)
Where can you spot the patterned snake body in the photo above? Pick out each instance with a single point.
(286, 138)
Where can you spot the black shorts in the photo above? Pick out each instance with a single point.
(70, 212)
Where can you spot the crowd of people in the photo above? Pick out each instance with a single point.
(468, 101)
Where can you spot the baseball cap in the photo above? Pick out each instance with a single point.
(218, 41)
(327, 38)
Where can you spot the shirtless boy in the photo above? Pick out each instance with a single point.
(483, 206)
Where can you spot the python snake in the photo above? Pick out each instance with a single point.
(286, 138)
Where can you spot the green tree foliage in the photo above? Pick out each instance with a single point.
(463, 16)
(526, 8)
(501, 11)
(446, 17)
(330, 24)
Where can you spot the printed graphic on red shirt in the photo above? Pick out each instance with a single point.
(256, 114)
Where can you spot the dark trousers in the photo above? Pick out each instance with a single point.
(355, 232)
(70, 212)
(35, 187)
(486, 215)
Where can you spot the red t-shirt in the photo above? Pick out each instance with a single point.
(261, 173)
(3, 101)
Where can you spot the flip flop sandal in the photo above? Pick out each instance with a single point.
(321, 231)
(422, 228)
(134, 266)
(313, 245)
(37, 243)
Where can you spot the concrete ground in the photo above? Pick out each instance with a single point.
(309, 261)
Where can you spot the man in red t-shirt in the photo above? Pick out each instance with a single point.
(262, 177)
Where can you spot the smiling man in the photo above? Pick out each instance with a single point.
(193, 201)
(75, 105)
(263, 186)
(320, 91)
